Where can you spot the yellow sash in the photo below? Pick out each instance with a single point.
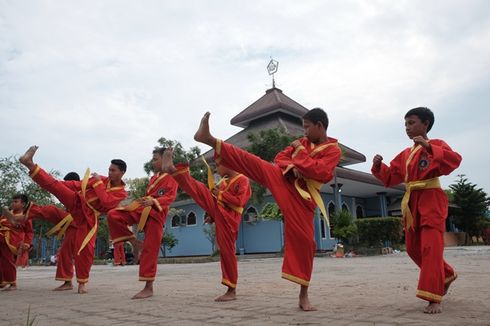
(314, 186)
(6, 231)
(92, 231)
(416, 185)
(211, 186)
(144, 214)
(61, 227)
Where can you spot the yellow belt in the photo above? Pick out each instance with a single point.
(61, 227)
(144, 214)
(92, 231)
(416, 185)
(7, 230)
(211, 186)
(313, 192)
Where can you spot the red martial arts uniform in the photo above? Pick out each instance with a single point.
(226, 210)
(162, 190)
(424, 208)
(119, 254)
(11, 237)
(316, 163)
(64, 227)
(23, 249)
(85, 201)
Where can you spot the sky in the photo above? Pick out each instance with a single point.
(95, 80)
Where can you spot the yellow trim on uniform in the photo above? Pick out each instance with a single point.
(295, 279)
(451, 278)
(226, 282)
(429, 296)
(180, 171)
(97, 183)
(82, 280)
(35, 171)
(297, 150)
(61, 227)
(124, 238)
(143, 279)
(415, 185)
(218, 146)
(62, 279)
(92, 231)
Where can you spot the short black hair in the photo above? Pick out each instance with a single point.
(424, 114)
(120, 164)
(23, 198)
(72, 176)
(159, 150)
(317, 115)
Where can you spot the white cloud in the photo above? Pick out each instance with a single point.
(107, 79)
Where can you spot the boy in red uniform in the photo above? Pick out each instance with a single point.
(12, 234)
(85, 200)
(224, 204)
(119, 254)
(149, 213)
(294, 181)
(424, 205)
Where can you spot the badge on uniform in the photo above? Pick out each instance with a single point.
(161, 191)
(423, 163)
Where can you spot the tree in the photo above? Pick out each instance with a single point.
(472, 205)
(345, 228)
(168, 242)
(266, 145)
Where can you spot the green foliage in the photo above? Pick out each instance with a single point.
(14, 178)
(169, 240)
(375, 230)
(137, 187)
(266, 145)
(473, 204)
(345, 229)
(103, 235)
(271, 211)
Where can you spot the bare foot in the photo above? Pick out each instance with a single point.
(304, 302)
(167, 163)
(146, 292)
(433, 308)
(26, 159)
(3, 285)
(446, 286)
(12, 287)
(202, 134)
(64, 287)
(82, 289)
(230, 295)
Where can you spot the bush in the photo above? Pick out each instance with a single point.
(344, 227)
(374, 231)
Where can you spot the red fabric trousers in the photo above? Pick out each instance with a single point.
(22, 259)
(8, 272)
(227, 225)
(119, 222)
(119, 254)
(425, 245)
(299, 246)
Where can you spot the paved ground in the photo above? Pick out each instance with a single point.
(352, 291)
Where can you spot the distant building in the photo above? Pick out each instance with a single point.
(358, 192)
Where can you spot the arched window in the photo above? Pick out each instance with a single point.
(359, 211)
(331, 213)
(191, 218)
(323, 227)
(345, 208)
(250, 215)
(175, 221)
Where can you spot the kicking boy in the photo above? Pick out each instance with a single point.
(294, 181)
(424, 205)
(149, 213)
(13, 231)
(224, 203)
(85, 200)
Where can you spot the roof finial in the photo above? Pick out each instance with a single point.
(272, 69)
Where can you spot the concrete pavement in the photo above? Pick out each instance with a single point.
(377, 290)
